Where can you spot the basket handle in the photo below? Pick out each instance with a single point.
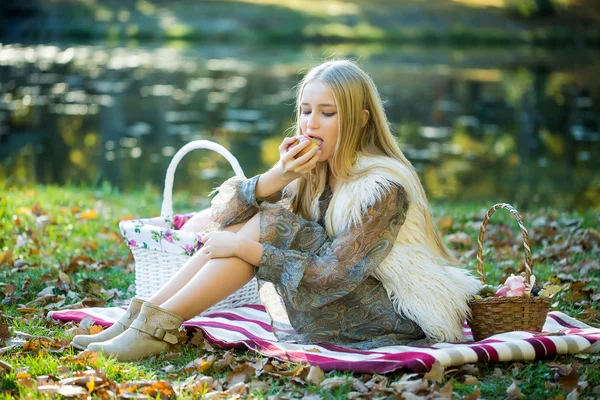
(166, 210)
(525, 240)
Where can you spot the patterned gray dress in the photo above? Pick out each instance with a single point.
(324, 291)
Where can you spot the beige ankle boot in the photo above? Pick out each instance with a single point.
(82, 341)
(152, 333)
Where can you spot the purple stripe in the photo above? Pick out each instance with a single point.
(482, 355)
(561, 321)
(492, 352)
(236, 317)
(539, 347)
(77, 316)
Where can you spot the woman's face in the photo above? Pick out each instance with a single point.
(319, 117)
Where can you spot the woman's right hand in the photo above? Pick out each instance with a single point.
(293, 168)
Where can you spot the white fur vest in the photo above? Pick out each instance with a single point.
(418, 283)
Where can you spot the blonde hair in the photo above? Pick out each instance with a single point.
(354, 91)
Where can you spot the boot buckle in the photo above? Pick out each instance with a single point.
(161, 334)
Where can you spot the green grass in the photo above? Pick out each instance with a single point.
(46, 253)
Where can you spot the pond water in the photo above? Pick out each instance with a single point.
(490, 125)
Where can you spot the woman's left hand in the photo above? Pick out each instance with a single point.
(220, 244)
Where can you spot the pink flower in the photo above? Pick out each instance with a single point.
(168, 236)
(189, 249)
(180, 220)
(132, 243)
(515, 285)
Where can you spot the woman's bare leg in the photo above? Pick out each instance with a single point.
(217, 279)
(185, 273)
(197, 222)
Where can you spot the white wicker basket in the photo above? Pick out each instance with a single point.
(159, 249)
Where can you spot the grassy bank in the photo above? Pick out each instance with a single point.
(488, 22)
(67, 239)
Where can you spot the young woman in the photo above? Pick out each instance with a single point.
(343, 233)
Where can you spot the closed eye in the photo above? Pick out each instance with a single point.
(324, 113)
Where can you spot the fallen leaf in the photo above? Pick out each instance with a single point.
(436, 373)
(89, 214)
(239, 389)
(573, 395)
(94, 329)
(333, 383)
(473, 396)
(226, 360)
(315, 375)
(197, 337)
(445, 223)
(459, 239)
(513, 391)
(446, 391)
(4, 333)
(470, 380)
(240, 374)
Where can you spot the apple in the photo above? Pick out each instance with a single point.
(300, 139)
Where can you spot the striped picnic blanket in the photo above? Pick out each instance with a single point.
(249, 326)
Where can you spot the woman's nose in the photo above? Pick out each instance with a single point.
(313, 122)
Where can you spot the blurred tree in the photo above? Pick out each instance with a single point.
(530, 8)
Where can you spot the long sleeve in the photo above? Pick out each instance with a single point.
(311, 280)
(236, 201)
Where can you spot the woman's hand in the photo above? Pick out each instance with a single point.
(292, 168)
(220, 244)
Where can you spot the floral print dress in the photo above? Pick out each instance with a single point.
(318, 289)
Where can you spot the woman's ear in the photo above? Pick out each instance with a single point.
(366, 115)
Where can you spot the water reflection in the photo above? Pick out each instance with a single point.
(477, 125)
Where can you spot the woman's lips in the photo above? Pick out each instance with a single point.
(319, 140)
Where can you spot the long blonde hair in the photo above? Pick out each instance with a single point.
(354, 91)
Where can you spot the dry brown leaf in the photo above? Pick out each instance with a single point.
(573, 395)
(9, 288)
(78, 261)
(200, 364)
(570, 381)
(86, 357)
(513, 392)
(240, 374)
(406, 384)
(315, 375)
(197, 337)
(4, 333)
(94, 329)
(224, 362)
(473, 396)
(6, 258)
(445, 223)
(470, 380)
(436, 373)
(459, 239)
(25, 380)
(446, 391)
(89, 214)
(239, 389)
(333, 383)
(5, 367)
(498, 373)
(259, 385)
(470, 369)
(258, 366)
